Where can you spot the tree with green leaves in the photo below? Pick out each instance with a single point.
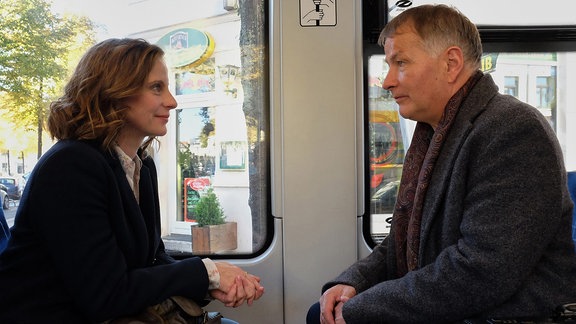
(36, 51)
(254, 80)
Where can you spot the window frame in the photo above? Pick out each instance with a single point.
(495, 39)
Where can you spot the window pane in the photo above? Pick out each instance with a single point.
(511, 86)
(388, 138)
(217, 142)
(220, 138)
(494, 12)
(532, 78)
(540, 79)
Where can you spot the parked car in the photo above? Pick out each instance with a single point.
(12, 184)
(4, 199)
(384, 198)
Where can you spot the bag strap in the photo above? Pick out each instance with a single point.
(187, 305)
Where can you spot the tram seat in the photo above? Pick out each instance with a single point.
(572, 189)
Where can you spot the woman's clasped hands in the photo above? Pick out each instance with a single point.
(236, 286)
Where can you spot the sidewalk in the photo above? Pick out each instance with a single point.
(178, 243)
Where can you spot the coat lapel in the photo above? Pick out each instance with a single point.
(470, 109)
(137, 244)
(149, 210)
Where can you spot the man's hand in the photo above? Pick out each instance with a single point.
(332, 301)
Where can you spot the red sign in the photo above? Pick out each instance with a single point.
(193, 189)
(197, 184)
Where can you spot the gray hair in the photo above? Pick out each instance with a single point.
(439, 27)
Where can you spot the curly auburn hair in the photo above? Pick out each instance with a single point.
(92, 106)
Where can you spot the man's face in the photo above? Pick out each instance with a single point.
(416, 78)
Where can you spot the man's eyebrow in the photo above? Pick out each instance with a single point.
(391, 57)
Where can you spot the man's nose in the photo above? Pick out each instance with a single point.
(389, 81)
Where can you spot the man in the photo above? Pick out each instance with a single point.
(481, 226)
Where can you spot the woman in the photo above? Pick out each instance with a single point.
(86, 244)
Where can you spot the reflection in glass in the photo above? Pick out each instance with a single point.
(388, 135)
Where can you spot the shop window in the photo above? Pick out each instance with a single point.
(511, 86)
(219, 143)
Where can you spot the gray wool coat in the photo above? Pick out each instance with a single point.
(496, 226)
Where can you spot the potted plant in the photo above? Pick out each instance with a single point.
(212, 234)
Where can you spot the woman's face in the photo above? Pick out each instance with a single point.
(149, 111)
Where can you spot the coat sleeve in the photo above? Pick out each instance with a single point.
(75, 196)
(366, 272)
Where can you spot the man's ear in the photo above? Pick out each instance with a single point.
(455, 62)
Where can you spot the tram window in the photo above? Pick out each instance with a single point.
(530, 55)
(511, 86)
(538, 78)
(534, 78)
(388, 140)
(217, 141)
(220, 140)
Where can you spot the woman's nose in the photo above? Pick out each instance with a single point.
(171, 102)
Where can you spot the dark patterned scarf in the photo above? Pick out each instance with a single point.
(416, 173)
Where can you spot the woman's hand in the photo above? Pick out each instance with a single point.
(236, 286)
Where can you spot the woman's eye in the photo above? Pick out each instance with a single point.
(157, 87)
